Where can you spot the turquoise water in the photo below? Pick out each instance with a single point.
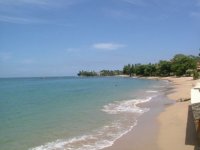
(71, 112)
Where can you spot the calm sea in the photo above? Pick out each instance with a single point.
(72, 113)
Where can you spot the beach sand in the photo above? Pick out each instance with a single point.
(165, 130)
(173, 121)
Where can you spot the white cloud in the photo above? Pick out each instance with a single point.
(107, 46)
(30, 20)
(20, 20)
(40, 3)
(18, 11)
(21, 2)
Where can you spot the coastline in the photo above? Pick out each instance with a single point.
(166, 128)
(173, 121)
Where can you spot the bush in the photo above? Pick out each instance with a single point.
(189, 73)
(195, 75)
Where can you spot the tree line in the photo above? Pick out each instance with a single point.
(101, 73)
(179, 65)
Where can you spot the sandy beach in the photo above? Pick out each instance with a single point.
(173, 121)
(162, 129)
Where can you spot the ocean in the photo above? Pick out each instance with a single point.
(71, 113)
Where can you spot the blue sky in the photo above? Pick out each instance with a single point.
(61, 37)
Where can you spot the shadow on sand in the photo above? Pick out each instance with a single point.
(191, 134)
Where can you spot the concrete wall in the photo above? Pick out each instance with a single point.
(195, 95)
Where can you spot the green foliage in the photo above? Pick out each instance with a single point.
(102, 73)
(164, 68)
(87, 73)
(189, 72)
(127, 69)
(181, 63)
(149, 70)
(132, 70)
(110, 72)
(195, 75)
(139, 70)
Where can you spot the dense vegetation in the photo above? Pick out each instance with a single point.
(179, 65)
(101, 73)
(87, 73)
(110, 72)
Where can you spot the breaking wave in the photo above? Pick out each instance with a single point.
(107, 135)
(129, 106)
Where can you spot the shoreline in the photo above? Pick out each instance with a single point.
(165, 129)
(174, 119)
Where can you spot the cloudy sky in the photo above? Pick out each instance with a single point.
(61, 37)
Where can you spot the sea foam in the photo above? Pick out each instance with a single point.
(128, 106)
(105, 136)
(99, 139)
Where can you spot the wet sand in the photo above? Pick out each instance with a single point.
(164, 127)
(173, 121)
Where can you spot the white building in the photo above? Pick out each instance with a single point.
(195, 94)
